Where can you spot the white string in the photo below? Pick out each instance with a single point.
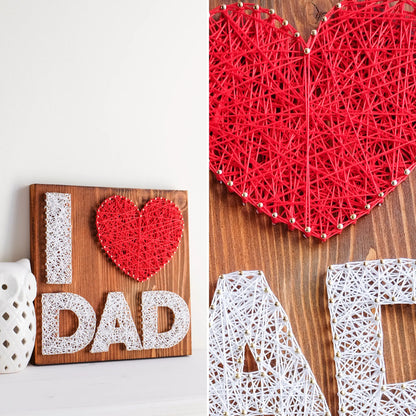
(116, 326)
(52, 304)
(244, 311)
(356, 292)
(153, 299)
(116, 310)
(58, 238)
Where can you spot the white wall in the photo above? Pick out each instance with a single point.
(105, 93)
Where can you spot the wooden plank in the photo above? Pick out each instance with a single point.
(295, 266)
(94, 275)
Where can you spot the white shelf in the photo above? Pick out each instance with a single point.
(150, 387)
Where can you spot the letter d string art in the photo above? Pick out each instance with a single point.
(356, 293)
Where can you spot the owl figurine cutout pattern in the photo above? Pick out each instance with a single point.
(17, 315)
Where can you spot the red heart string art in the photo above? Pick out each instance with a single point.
(139, 242)
(314, 134)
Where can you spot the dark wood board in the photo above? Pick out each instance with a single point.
(296, 267)
(94, 275)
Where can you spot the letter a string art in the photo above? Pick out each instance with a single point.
(246, 318)
(313, 134)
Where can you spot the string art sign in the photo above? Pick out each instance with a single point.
(356, 293)
(245, 315)
(313, 134)
(112, 267)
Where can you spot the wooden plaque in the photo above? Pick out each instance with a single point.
(94, 275)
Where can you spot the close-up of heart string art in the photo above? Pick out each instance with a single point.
(313, 134)
(139, 242)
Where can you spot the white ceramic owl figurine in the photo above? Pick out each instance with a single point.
(17, 315)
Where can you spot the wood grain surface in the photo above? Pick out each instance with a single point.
(296, 267)
(94, 275)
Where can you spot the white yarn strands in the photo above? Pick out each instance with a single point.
(151, 300)
(244, 311)
(52, 304)
(356, 292)
(58, 238)
(116, 311)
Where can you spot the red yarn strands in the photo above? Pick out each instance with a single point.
(139, 242)
(313, 134)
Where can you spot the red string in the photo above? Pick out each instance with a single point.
(313, 134)
(139, 242)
